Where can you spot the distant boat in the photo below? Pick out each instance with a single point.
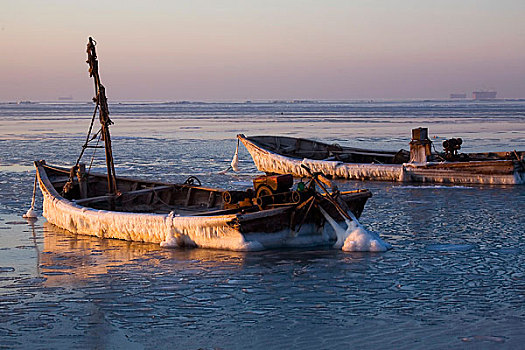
(24, 102)
(462, 95)
(484, 95)
(65, 98)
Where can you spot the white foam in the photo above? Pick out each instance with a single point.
(355, 238)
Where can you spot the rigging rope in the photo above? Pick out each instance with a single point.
(88, 134)
(94, 150)
(69, 183)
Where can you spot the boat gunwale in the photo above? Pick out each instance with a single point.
(66, 171)
(343, 148)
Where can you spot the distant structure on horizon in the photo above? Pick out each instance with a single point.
(462, 95)
(484, 95)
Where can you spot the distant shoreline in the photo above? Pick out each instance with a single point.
(269, 101)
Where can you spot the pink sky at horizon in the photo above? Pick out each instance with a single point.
(248, 50)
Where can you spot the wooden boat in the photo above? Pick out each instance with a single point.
(190, 215)
(281, 154)
(271, 214)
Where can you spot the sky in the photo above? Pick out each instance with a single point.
(226, 50)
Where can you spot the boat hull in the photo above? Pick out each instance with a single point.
(495, 172)
(239, 231)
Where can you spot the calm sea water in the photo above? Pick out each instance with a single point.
(455, 277)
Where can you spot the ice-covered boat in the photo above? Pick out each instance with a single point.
(191, 215)
(285, 155)
(274, 213)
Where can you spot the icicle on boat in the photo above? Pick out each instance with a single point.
(274, 213)
(285, 155)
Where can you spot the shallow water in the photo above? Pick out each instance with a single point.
(455, 277)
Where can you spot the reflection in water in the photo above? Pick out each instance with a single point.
(71, 259)
(31, 222)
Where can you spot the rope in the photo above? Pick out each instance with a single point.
(85, 145)
(160, 199)
(94, 150)
(69, 183)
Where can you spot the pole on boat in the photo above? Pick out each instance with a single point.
(101, 99)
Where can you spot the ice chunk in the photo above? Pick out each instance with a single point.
(31, 214)
(355, 238)
(235, 161)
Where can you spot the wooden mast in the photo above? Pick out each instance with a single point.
(101, 100)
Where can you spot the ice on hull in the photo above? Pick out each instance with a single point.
(141, 227)
(427, 173)
(204, 232)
